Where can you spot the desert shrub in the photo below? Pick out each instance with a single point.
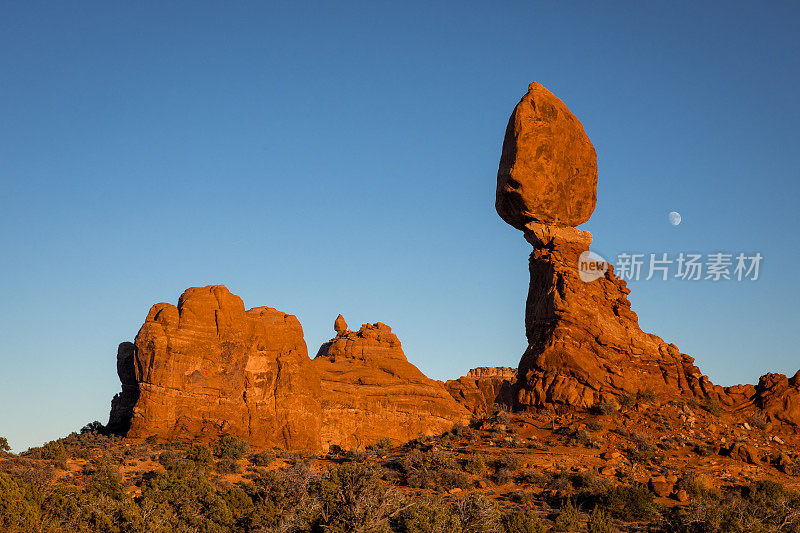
(230, 447)
(642, 450)
(476, 465)
(228, 466)
(505, 468)
(169, 458)
(501, 414)
(189, 495)
(757, 421)
(604, 408)
(428, 516)
(761, 507)
(518, 521)
(627, 400)
(625, 502)
(20, 503)
(646, 395)
(281, 500)
(352, 499)
(265, 458)
(567, 518)
(594, 425)
(105, 481)
(93, 427)
(51, 451)
(200, 454)
(434, 469)
(459, 429)
(451, 479)
(703, 450)
(583, 480)
(478, 514)
(4, 447)
(357, 456)
(599, 521)
(382, 446)
(712, 406)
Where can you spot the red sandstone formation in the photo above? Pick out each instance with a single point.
(584, 341)
(484, 387)
(208, 367)
(371, 391)
(548, 168)
(339, 325)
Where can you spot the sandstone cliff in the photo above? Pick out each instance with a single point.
(208, 367)
(483, 388)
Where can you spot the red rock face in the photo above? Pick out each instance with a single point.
(371, 391)
(548, 167)
(208, 367)
(585, 344)
(483, 388)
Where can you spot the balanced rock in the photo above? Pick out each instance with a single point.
(548, 166)
(339, 325)
(585, 345)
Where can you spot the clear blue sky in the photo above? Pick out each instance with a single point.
(340, 157)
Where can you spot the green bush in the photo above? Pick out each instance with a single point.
(230, 447)
(51, 451)
(382, 446)
(435, 469)
(604, 408)
(627, 400)
(20, 504)
(478, 514)
(568, 518)
(518, 521)
(228, 466)
(647, 395)
(105, 481)
(428, 516)
(190, 498)
(352, 498)
(476, 465)
(200, 454)
(626, 502)
(4, 447)
(599, 521)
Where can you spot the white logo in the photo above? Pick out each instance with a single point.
(591, 266)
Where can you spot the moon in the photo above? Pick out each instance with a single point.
(674, 218)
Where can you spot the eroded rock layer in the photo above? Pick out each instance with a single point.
(371, 391)
(208, 366)
(483, 388)
(585, 344)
